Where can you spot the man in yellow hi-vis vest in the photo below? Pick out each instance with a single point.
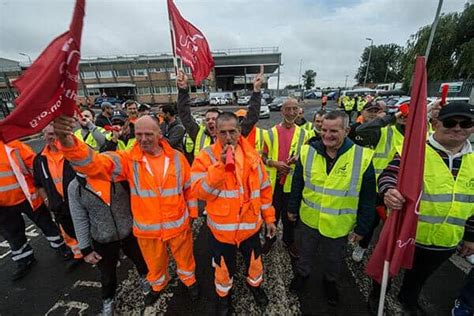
(333, 191)
(281, 150)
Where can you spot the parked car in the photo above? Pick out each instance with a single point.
(277, 103)
(243, 100)
(218, 101)
(112, 100)
(264, 112)
(394, 103)
(199, 102)
(313, 94)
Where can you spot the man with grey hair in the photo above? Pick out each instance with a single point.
(105, 117)
(333, 191)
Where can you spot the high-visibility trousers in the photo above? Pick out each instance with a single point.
(224, 262)
(155, 254)
(72, 243)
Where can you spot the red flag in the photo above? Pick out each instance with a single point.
(190, 44)
(49, 87)
(397, 239)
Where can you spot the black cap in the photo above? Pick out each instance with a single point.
(452, 109)
(119, 115)
(143, 107)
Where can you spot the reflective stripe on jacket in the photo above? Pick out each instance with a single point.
(16, 178)
(300, 136)
(330, 202)
(158, 212)
(446, 204)
(234, 212)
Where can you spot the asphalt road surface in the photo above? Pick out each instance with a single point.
(51, 289)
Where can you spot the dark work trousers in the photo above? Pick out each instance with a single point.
(12, 228)
(110, 256)
(425, 263)
(467, 292)
(280, 203)
(333, 250)
(364, 243)
(229, 252)
(63, 218)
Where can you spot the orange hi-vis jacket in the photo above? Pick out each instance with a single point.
(235, 209)
(159, 211)
(16, 175)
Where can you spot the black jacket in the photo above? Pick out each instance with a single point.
(102, 120)
(42, 179)
(174, 133)
(367, 196)
(368, 134)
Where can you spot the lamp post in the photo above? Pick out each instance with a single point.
(345, 83)
(368, 62)
(26, 55)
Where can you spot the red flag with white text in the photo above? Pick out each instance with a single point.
(49, 87)
(396, 244)
(190, 44)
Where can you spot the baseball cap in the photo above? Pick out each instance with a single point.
(452, 109)
(106, 104)
(144, 107)
(241, 113)
(372, 105)
(119, 115)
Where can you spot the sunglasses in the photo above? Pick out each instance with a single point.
(451, 123)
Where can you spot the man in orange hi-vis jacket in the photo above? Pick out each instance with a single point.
(161, 198)
(231, 178)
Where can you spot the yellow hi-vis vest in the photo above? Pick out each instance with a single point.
(271, 140)
(446, 204)
(260, 139)
(202, 140)
(348, 103)
(121, 144)
(360, 104)
(390, 140)
(90, 140)
(330, 202)
(188, 143)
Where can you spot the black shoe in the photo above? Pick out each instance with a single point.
(224, 306)
(331, 292)
(73, 264)
(259, 295)
(152, 297)
(194, 292)
(64, 252)
(23, 268)
(268, 245)
(298, 283)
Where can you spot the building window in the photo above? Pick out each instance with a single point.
(122, 72)
(94, 92)
(80, 92)
(153, 70)
(106, 74)
(174, 89)
(143, 90)
(88, 74)
(139, 72)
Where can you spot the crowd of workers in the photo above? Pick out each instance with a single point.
(132, 180)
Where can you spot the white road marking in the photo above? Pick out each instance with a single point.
(5, 254)
(87, 284)
(5, 244)
(69, 306)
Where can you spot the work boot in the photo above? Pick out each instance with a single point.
(23, 267)
(64, 252)
(108, 307)
(259, 295)
(358, 253)
(268, 245)
(152, 297)
(194, 292)
(331, 292)
(298, 283)
(224, 306)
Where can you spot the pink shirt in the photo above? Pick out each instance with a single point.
(285, 135)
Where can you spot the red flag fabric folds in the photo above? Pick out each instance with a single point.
(49, 87)
(190, 44)
(397, 239)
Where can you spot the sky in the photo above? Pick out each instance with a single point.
(327, 36)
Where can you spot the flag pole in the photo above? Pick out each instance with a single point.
(383, 287)
(173, 42)
(433, 31)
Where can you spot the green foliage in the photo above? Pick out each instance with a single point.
(385, 64)
(309, 77)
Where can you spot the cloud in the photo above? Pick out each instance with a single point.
(328, 36)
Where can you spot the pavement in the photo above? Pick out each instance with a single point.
(50, 289)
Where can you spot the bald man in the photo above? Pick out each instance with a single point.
(161, 199)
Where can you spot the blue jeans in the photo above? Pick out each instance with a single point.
(467, 292)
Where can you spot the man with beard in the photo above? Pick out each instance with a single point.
(90, 134)
(302, 122)
(205, 135)
(172, 129)
(281, 150)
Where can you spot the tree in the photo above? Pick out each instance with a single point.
(385, 64)
(452, 49)
(309, 79)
